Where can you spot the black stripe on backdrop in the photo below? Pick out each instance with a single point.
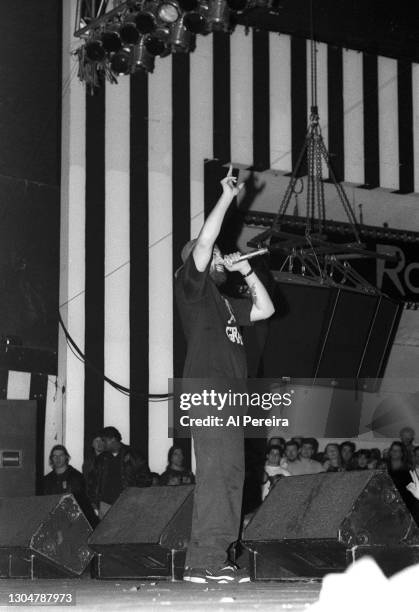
(221, 96)
(4, 379)
(371, 136)
(405, 106)
(38, 392)
(95, 263)
(139, 263)
(261, 116)
(298, 101)
(181, 198)
(335, 110)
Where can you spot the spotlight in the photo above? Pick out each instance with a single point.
(169, 12)
(111, 41)
(95, 51)
(156, 43)
(237, 5)
(142, 59)
(196, 20)
(218, 16)
(146, 18)
(129, 33)
(121, 61)
(181, 39)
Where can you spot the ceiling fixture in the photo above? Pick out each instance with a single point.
(121, 37)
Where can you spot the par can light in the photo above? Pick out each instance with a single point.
(168, 12)
(146, 18)
(121, 61)
(129, 33)
(111, 41)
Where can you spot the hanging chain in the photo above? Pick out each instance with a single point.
(316, 153)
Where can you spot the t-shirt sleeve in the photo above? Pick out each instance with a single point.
(193, 282)
(241, 308)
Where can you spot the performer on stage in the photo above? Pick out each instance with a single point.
(215, 350)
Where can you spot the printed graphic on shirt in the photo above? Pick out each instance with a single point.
(232, 331)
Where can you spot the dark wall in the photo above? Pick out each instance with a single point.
(30, 108)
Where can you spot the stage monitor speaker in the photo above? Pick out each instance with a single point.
(18, 448)
(43, 537)
(145, 533)
(311, 525)
(326, 332)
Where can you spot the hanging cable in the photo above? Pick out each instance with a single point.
(124, 390)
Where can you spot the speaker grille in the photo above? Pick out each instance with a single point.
(140, 516)
(307, 507)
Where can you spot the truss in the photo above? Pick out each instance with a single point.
(91, 13)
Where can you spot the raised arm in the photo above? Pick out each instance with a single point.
(203, 248)
(262, 307)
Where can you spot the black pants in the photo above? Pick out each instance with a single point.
(218, 493)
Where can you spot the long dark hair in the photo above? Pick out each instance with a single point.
(404, 458)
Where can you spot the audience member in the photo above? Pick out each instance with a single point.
(272, 469)
(117, 468)
(63, 478)
(347, 451)
(407, 436)
(176, 473)
(362, 458)
(291, 454)
(304, 464)
(375, 459)
(332, 461)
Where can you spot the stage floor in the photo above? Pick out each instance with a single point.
(143, 595)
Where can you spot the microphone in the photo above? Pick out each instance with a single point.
(252, 254)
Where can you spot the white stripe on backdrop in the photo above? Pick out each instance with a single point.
(415, 95)
(353, 109)
(388, 122)
(241, 88)
(160, 258)
(117, 254)
(201, 125)
(280, 101)
(72, 250)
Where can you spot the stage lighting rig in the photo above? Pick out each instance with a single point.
(117, 34)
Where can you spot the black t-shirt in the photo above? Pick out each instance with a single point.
(70, 481)
(112, 485)
(211, 325)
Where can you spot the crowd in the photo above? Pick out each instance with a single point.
(111, 466)
(300, 456)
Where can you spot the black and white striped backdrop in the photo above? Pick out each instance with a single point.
(133, 192)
